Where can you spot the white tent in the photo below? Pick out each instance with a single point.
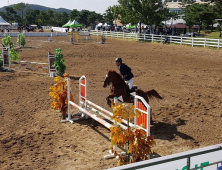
(106, 24)
(3, 23)
(100, 24)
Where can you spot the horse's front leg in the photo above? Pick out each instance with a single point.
(111, 96)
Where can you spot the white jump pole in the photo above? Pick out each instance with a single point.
(69, 119)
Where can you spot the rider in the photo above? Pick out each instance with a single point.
(125, 71)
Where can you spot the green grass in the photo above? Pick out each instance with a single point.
(209, 34)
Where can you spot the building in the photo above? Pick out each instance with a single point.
(174, 6)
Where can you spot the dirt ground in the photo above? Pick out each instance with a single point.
(189, 117)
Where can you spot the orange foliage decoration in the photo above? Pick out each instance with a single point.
(58, 93)
(139, 144)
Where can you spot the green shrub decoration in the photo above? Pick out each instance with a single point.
(7, 41)
(14, 55)
(59, 63)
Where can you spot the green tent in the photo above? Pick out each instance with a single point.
(67, 24)
(129, 26)
(75, 24)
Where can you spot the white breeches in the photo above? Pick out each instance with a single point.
(130, 83)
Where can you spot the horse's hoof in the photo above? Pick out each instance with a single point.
(109, 103)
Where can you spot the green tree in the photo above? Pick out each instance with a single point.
(92, 17)
(10, 13)
(74, 15)
(140, 11)
(31, 16)
(64, 18)
(21, 7)
(51, 15)
(83, 17)
(43, 18)
(199, 14)
(109, 15)
(57, 19)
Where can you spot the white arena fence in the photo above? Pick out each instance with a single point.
(207, 158)
(34, 34)
(192, 41)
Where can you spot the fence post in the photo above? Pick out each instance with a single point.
(192, 41)
(68, 97)
(170, 39)
(205, 42)
(218, 43)
(181, 40)
(144, 37)
(123, 35)
(152, 37)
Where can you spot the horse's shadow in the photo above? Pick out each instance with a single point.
(159, 130)
(165, 131)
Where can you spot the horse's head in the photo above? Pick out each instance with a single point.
(108, 79)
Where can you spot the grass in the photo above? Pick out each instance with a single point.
(208, 34)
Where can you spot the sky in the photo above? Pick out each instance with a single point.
(99, 6)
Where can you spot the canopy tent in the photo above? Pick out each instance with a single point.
(67, 24)
(3, 22)
(106, 24)
(75, 24)
(129, 26)
(100, 24)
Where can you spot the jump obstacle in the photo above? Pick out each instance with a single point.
(6, 57)
(86, 108)
(75, 37)
(26, 65)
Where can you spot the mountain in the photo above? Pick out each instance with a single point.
(41, 8)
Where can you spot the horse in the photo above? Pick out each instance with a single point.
(120, 88)
(30, 29)
(41, 30)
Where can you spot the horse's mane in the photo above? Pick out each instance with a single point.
(118, 76)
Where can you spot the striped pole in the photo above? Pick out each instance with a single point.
(105, 111)
(101, 121)
(105, 116)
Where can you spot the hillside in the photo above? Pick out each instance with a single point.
(41, 8)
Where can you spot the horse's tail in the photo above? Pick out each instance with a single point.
(153, 93)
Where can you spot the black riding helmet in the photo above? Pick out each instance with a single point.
(118, 60)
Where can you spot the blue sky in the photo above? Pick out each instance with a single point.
(98, 6)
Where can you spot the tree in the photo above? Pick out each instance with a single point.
(64, 18)
(199, 14)
(83, 17)
(74, 14)
(109, 15)
(31, 16)
(43, 18)
(140, 11)
(21, 7)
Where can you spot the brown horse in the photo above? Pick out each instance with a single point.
(120, 88)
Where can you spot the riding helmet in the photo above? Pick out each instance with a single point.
(118, 60)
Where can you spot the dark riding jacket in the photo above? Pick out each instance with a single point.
(125, 71)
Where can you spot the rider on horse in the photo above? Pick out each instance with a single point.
(126, 73)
